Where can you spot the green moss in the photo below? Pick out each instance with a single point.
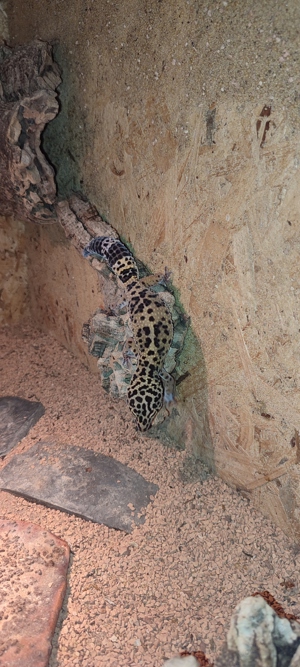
(63, 138)
(191, 355)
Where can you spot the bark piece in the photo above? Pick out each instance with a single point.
(34, 565)
(89, 217)
(81, 221)
(28, 79)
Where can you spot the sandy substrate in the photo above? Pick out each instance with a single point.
(135, 600)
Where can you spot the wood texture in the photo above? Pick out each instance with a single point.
(28, 79)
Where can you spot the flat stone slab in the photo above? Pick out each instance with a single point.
(33, 579)
(79, 481)
(17, 416)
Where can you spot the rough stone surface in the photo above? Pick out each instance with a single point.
(92, 486)
(17, 416)
(33, 572)
(258, 637)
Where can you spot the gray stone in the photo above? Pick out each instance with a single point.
(17, 416)
(79, 481)
(258, 637)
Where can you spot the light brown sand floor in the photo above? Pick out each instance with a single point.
(172, 584)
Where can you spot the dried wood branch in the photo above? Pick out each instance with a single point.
(28, 79)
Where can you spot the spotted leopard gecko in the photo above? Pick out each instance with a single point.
(152, 329)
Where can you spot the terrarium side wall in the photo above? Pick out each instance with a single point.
(181, 123)
(14, 298)
(42, 279)
(14, 302)
(64, 289)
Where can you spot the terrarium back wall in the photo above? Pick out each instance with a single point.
(180, 121)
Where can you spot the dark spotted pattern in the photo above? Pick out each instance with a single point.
(118, 257)
(152, 329)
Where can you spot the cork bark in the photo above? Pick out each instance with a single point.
(28, 102)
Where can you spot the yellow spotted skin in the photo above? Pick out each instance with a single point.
(152, 329)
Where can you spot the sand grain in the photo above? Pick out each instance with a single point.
(135, 600)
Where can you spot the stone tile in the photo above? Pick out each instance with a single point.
(17, 416)
(80, 481)
(33, 571)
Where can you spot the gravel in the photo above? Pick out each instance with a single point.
(137, 600)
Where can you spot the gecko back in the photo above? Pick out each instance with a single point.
(152, 329)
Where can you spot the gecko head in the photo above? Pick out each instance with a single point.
(87, 252)
(145, 399)
(95, 247)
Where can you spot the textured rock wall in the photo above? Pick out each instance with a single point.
(180, 121)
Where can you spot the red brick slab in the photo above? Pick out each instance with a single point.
(33, 579)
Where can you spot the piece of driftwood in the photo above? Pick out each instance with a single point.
(81, 221)
(28, 79)
(89, 217)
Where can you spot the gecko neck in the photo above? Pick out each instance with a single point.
(132, 281)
